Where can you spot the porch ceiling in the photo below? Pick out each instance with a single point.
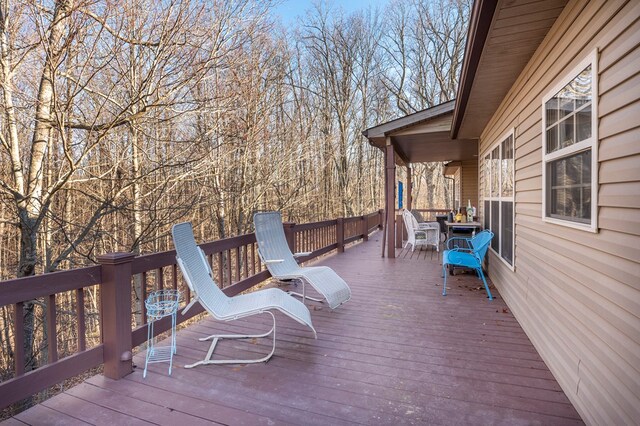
(423, 148)
(503, 36)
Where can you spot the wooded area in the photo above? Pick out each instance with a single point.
(120, 118)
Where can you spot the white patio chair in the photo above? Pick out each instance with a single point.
(424, 234)
(281, 263)
(197, 274)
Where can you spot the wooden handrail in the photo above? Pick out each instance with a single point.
(236, 268)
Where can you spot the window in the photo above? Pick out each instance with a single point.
(498, 170)
(569, 140)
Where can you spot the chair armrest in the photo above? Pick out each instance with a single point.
(302, 253)
(270, 261)
(428, 225)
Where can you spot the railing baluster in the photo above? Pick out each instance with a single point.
(52, 334)
(260, 267)
(305, 238)
(220, 270)
(18, 338)
(253, 259)
(245, 261)
(300, 240)
(82, 335)
(237, 252)
(143, 289)
(174, 280)
(229, 268)
(159, 279)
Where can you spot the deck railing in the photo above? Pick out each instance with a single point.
(236, 267)
(429, 215)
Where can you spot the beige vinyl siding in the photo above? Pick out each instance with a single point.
(576, 293)
(469, 182)
(457, 202)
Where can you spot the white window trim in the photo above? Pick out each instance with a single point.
(591, 59)
(490, 198)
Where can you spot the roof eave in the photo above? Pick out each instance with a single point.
(479, 25)
(400, 123)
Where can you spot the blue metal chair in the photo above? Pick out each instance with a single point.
(468, 253)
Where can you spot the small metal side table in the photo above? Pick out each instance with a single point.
(161, 304)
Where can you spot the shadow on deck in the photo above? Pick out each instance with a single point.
(397, 353)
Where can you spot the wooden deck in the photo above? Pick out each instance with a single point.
(396, 353)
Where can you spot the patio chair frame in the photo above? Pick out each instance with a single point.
(471, 255)
(199, 278)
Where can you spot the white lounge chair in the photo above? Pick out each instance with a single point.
(423, 234)
(281, 263)
(197, 273)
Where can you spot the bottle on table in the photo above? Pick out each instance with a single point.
(469, 212)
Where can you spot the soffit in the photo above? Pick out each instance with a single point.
(499, 45)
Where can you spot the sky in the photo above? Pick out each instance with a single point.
(291, 10)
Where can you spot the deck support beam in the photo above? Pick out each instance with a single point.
(409, 189)
(390, 198)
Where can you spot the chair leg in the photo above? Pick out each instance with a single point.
(444, 274)
(486, 287)
(216, 337)
(303, 295)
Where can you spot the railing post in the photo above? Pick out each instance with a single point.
(290, 235)
(365, 227)
(115, 310)
(380, 218)
(340, 234)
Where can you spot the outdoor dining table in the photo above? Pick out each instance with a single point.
(474, 226)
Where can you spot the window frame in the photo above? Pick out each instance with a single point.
(487, 194)
(582, 146)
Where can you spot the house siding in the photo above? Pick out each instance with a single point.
(577, 293)
(469, 183)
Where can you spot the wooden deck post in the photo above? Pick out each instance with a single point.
(340, 234)
(365, 227)
(409, 189)
(290, 235)
(381, 219)
(115, 309)
(391, 198)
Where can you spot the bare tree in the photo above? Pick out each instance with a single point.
(424, 48)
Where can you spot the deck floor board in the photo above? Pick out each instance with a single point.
(397, 353)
